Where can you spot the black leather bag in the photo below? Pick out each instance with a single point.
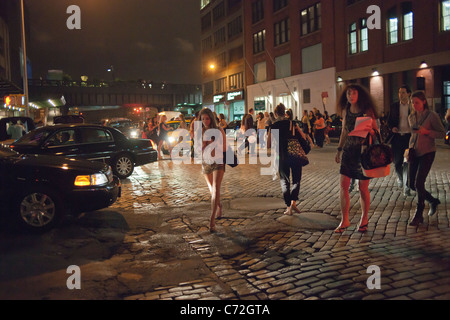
(376, 157)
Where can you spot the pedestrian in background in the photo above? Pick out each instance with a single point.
(163, 129)
(397, 122)
(354, 102)
(319, 130)
(261, 126)
(213, 172)
(222, 122)
(287, 167)
(426, 127)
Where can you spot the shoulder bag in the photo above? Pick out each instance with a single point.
(376, 157)
(294, 148)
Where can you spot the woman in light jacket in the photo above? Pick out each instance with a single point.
(426, 126)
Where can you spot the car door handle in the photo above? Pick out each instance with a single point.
(74, 149)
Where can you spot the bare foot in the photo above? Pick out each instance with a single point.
(288, 211)
(294, 207)
(219, 211)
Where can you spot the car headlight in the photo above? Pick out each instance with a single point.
(97, 179)
(171, 139)
(133, 134)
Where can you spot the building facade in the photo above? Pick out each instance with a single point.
(302, 53)
(223, 81)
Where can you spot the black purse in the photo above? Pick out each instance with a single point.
(376, 157)
(234, 160)
(295, 151)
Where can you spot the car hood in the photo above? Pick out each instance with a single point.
(60, 162)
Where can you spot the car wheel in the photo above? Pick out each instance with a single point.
(123, 166)
(39, 210)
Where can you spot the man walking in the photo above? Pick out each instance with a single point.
(401, 133)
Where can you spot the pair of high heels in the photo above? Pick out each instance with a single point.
(361, 229)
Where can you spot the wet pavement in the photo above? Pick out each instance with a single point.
(154, 244)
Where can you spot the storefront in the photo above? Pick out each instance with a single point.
(230, 104)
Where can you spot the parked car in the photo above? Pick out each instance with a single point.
(27, 123)
(36, 191)
(90, 142)
(129, 128)
(336, 126)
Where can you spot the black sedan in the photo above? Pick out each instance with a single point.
(89, 142)
(39, 190)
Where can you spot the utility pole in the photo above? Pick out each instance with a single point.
(25, 71)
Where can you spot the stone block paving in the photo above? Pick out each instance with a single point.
(414, 262)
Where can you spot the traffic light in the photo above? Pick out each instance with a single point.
(10, 101)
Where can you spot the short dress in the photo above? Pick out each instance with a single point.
(351, 156)
(208, 168)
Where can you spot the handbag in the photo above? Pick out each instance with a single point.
(295, 150)
(376, 157)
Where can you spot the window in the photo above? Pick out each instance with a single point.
(283, 66)
(279, 4)
(257, 11)
(219, 37)
(219, 11)
(221, 60)
(392, 27)
(208, 88)
(306, 95)
(91, 135)
(235, 27)
(206, 21)
(62, 138)
(206, 44)
(237, 81)
(364, 36)
(221, 85)
(204, 3)
(281, 32)
(352, 40)
(407, 21)
(260, 72)
(312, 58)
(310, 19)
(445, 15)
(259, 40)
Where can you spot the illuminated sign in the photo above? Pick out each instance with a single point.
(233, 95)
(218, 98)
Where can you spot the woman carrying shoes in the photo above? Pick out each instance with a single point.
(213, 170)
(286, 166)
(426, 126)
(354, 102)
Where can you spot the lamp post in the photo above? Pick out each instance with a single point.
(25, 71)
(111, 69)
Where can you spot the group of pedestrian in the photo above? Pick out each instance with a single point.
(415, 127)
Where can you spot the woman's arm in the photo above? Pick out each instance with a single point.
(342, 138)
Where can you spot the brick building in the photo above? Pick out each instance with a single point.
(303, 52)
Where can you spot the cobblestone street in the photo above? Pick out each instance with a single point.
(160, 247)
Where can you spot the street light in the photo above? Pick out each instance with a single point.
(111, 69)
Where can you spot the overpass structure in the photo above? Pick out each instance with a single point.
(82, 96)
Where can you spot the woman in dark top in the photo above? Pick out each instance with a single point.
(286, 166)
(354, 102)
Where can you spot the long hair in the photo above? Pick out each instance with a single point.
(421, 96)
(210, 114)
(365, 100)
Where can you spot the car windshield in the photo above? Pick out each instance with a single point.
(35, 137)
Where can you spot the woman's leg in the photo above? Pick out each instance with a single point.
(365, 203)
(423, 164)
(285, 171)
(345, 203)
(296, 179)
(159, 149)
(217, 176)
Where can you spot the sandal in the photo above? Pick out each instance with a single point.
(340, 229)
(363, 228)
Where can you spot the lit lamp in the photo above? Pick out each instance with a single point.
(375, 72)
(423, 64)
(339, 79)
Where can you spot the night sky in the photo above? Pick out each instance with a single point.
(155, 40)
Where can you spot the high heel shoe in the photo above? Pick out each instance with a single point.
(433, 207)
